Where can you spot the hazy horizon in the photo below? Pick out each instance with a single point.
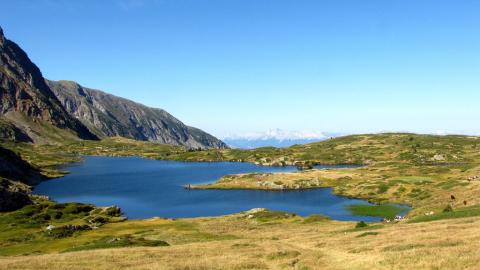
(240, 67)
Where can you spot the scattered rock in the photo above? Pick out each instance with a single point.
(66, 230)
(473, 178)
(255, 210)
(303, 166)
(438, 157)
(113, 240)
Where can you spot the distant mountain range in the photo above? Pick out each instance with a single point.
(275, 138)
(41, 111)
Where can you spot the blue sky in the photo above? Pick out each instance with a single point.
(234, 66)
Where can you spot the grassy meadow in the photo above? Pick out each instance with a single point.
(432, 174)
(274, 241)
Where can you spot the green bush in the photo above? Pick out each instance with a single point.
(361, 224)
(447, 209)
(77, 208)
(382, 188)
(67, 230)
(315, 218)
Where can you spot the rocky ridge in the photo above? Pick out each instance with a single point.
(107, 115)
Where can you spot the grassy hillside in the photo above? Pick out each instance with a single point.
(433, 174)
(389, 149)
(260, 241)
(419, 170)
(423, 171)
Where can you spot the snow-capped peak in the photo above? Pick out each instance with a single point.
(279, 134)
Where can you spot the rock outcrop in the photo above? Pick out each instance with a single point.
(15, 177)
(107, 115)
(13, 196)
(14, 168)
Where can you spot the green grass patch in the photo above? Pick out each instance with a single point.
(384, 210)
(265, 216)
(24, 231)
(417, 180)
(382, 188)
(315, 218)
(117, 242)
(471, 211)
(451, 184)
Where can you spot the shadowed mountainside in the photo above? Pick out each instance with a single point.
(15, 176)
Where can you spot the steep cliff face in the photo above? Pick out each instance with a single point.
(25, 99)
(14, 168)
(106, 115)
(15, 177)
(13, 195)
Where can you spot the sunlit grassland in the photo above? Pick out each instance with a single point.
(428, 173)
(270, 241)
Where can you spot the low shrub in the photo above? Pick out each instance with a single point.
(361, 224)
(315, 218)
(448, 208)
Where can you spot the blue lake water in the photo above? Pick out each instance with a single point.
(146, 188)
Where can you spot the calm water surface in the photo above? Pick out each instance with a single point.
(146, 188)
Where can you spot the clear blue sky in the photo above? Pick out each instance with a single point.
(233, 66)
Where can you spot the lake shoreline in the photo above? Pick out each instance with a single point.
(215, 185)
(106, 176)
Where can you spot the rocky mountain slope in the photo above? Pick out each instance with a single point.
(28, 108)
(36, 110)
(107, 115)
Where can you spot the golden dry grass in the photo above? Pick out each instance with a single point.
(288, 244)
(423, 171)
